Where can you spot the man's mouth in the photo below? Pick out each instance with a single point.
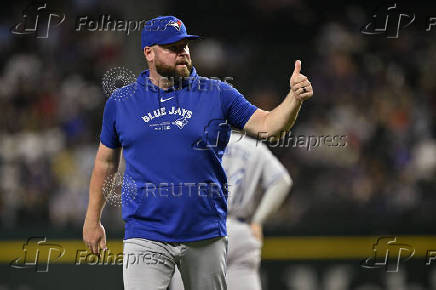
(185, 63)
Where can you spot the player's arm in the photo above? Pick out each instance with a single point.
(273, 198)
(273, 123)
(105, 165)
(271, 201)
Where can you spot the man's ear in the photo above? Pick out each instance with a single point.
(149, 53)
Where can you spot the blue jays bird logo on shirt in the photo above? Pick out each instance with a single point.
(183, 114)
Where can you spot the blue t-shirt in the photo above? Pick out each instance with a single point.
(174, 187)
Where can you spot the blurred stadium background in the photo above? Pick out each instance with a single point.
(379, 92)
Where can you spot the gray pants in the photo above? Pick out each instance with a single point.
(151, 264)
(243, 260)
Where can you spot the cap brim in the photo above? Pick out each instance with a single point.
(189, 36)
(169, 41)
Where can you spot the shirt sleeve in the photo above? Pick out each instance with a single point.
(109, 136)
(236, 108)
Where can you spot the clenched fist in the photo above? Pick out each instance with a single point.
(300, 85)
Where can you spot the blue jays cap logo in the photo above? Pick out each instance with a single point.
(160, 31)
(176, 24)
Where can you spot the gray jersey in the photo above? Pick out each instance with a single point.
(251, 168)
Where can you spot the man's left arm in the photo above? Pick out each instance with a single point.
(273, 123)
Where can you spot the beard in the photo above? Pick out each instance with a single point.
(169, 71)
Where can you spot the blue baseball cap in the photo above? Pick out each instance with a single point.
(164, 30)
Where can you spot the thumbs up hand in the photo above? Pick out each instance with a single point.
(297, 67)
(300, 85)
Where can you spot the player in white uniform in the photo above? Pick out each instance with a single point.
(258, 184)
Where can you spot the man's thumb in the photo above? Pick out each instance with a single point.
(297, 68)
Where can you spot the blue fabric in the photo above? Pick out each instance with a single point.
(164, 30)
(173, 141)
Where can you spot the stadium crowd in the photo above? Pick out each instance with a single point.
(379, 93)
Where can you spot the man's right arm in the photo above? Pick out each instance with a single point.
(105, 166)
